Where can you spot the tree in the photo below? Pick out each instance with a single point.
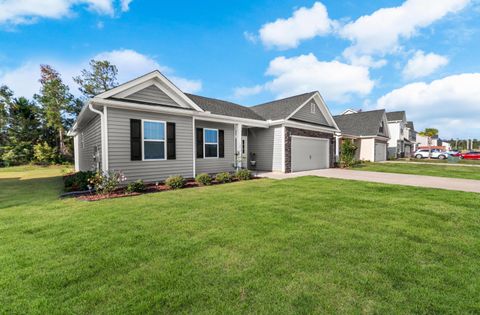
(58, 104)
(6, 96)
(429, 133)
(101, 77)
(22, 133)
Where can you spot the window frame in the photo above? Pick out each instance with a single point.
(154, 140)
(313, 108)
(205, 144)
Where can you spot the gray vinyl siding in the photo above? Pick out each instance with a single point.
(267, 146)
(152, 94)
(89, 137)
(149, 171)
(216, 165)
(304, 114)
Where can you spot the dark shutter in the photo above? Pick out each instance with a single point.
(221, 143)
(199, 143)
(135, 139)
(171, 147)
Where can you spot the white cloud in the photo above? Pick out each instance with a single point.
(305, 73)
(241, 92)
(29, 11)
(131, 64)
(422, 65)
(450, 104)
(305, 23)
(380, 33)
(125, 5)
(250, 37)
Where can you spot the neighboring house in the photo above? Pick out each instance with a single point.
(410, 136)
(150, 129)
(423, 141)
(397, 122)
(368, 130)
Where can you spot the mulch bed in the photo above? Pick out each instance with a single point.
(150, 188)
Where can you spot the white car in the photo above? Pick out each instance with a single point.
(436, 154)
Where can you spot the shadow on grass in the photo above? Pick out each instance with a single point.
(15, 191)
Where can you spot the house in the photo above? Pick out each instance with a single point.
(423, 141)
(410, 136)
(397, 122)
(369, 132)
(149, 129)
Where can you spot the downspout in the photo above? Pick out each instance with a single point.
(103, 140)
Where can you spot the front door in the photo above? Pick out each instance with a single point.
(244, 152)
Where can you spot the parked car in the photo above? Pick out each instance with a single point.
(453, 153)
(473, 155)
(436, 154)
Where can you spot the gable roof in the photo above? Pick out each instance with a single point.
(393, 116)
(224, 108)
(410, 125)
(361, 123)
(281, 109)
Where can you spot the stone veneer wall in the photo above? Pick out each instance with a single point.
(289, 132)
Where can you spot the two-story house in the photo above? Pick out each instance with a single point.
(397, 122)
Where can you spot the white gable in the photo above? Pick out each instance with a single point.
(152, 88)
(321, 106)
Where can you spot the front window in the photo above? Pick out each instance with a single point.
(154, 140)
(211, 143)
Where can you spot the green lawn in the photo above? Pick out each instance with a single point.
(297, 246)
(472, 162)
(422, 169)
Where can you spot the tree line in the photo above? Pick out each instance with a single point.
(34, 130)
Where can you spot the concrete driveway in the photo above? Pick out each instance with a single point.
(459, 184)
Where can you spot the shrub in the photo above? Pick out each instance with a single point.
(348, 153)
(203, 179)
(44, 153)
(136, 186)
(106, 182)
(243, 174)
(223, 177)
(77, 181)
(175, 182)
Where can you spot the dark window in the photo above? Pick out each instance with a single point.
(211, 142)
(153, 140)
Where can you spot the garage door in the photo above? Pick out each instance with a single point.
(380, 152)
(309, 153)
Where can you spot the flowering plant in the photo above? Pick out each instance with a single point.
(106, 182)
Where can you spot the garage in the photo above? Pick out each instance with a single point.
(309, 153)
(380, 151)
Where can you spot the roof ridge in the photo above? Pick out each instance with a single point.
(285, 98)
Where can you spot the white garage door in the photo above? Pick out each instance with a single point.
(380, 152)
(309, 153)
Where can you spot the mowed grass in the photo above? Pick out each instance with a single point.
(423, 169)
(437, 161)
(297, 246)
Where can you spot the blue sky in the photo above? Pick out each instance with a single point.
(416, 55)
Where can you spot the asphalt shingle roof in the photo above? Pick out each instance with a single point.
(360, 124)
(392, 116)
(225, 108)
(281, 109)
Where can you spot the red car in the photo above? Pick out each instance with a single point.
(474, 155)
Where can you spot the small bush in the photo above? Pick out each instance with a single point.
(203, 179)
(175, 182)
(77, 181)
(136, 187)
(348, 153)
(243, 174)
(106, 182)
(223, 177)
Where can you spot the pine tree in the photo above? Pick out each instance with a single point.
(57, 104)
(101, 77)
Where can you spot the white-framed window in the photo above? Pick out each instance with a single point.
(210, 143)
(313, 108)
(154, 144)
